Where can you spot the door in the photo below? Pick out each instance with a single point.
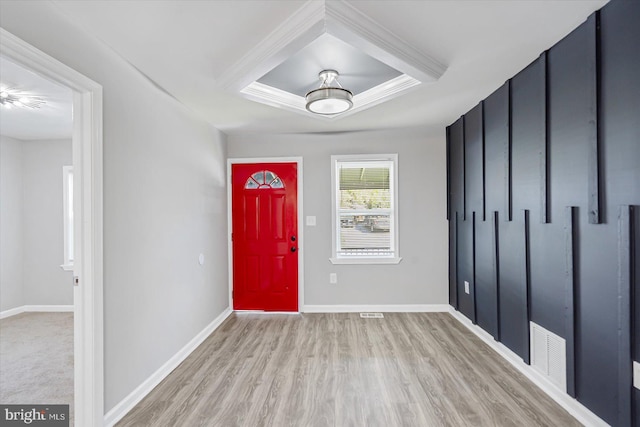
(265, 236)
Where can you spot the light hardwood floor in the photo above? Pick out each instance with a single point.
(413, 369)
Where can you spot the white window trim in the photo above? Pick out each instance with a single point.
(393, 177)
(66, 171)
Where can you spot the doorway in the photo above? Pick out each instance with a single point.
(87, 222)
(265, 234)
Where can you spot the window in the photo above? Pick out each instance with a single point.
(365, 209)
(67, 195)
(263, 179)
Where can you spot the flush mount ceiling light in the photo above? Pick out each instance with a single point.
(330, 98)
(11, 97)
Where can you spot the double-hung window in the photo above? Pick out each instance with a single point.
(365, 209)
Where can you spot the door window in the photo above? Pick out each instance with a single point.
(263, 179)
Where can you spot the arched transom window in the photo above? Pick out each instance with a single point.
(263, 179)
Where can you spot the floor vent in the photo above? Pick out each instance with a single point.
(372, 315)
(548, 355)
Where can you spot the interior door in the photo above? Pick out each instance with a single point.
(265, 236)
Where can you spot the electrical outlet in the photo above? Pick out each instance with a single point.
(333, 278)
(466, 287)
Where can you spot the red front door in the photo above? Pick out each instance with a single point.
(265, 236)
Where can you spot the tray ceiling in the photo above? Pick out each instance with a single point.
(207, 54)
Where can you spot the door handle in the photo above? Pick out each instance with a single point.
(293, 248)
(293, 238)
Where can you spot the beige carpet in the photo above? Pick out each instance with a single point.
(36, 359)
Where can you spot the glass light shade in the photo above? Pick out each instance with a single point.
(329, 100)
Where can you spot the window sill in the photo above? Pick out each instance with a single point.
(393, 260)
(67, 267)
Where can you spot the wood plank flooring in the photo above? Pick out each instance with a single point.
(408, 369)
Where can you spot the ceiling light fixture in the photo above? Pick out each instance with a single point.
(10, 97)
(330, 98)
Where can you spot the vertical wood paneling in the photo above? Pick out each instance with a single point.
(545, 184)
(571, 74)
(625, 371)
(529, 138)
(465, 270)
(561, 155)
(473, 267)
(456, 151)
(485, 272)
(619, 139)
(635, 300)
(508, 164)
(453, 261)
(448, 173)
(594, 119)
(620, 102)
(513, 304)
(547, 258)
(596, 312)
(473, 163)
(496, 146)
(570, 228)
(496, 254)
(526, 291)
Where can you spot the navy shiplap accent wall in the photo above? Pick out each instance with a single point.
(474, 165)
(496, 147)
(570, 242)
(544, 196)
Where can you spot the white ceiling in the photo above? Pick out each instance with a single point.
(186, 46)
(53, 120)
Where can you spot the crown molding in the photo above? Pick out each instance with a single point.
(384, 92)
(387, 90)
(341, 20)
(275, 97)
(346, 22)
(281, 99)
(300, 29)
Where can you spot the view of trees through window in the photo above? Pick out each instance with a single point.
(365, 199)
(365, 207)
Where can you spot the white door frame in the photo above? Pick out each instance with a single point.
(87, 209)
(298, 161)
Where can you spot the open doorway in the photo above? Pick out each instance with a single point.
(85, 215)
(36, 239)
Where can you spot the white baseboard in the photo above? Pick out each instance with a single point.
(571, 405)
(395, 308)
(36, 308)
(49, 308)
(125, 405)
(11, 312)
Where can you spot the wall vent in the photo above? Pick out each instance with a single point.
(372, 315)
(549, 355)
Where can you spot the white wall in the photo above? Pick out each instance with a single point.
(11, 294)
(164, 204)
(421, 276)
(44, 282)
